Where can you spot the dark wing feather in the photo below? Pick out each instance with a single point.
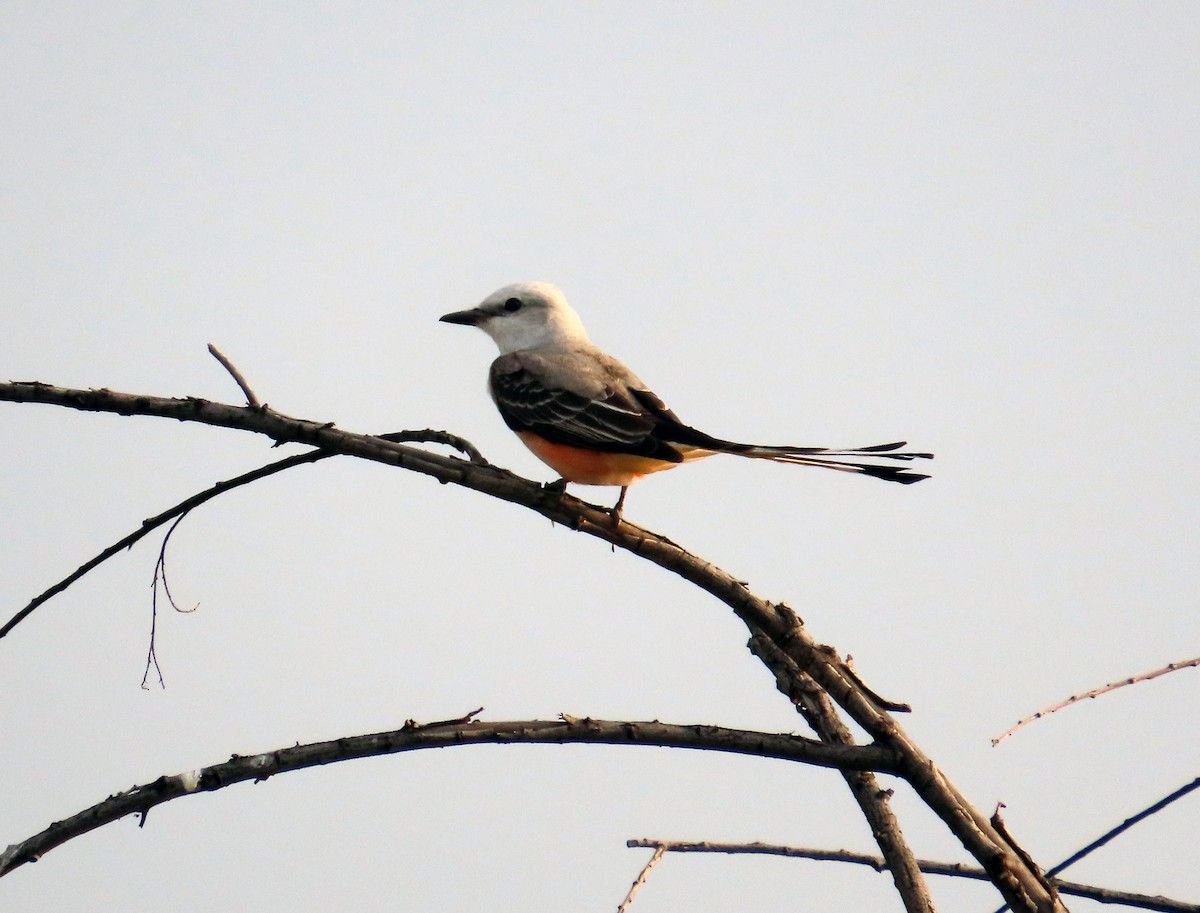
(613, 422)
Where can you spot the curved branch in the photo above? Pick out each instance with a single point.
(415, 736)
(929, 866)
(179, 510)
(1019, 882)
(153, 523)
(1096, 692)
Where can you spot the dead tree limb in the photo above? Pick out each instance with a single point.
(447, 733)
(814, 705)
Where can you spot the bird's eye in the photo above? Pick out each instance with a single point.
(512, 304)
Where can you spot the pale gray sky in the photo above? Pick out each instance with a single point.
(974, 227)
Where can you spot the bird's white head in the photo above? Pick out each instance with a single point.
(525, 315)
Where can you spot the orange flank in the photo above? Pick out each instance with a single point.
(594, 467)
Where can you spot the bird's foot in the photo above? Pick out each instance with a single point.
(558, 486)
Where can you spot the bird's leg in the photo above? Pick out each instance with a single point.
(616, 510)
(559, 486)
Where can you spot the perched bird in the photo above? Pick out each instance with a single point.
(592, 420)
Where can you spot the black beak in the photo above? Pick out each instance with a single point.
(469, 318)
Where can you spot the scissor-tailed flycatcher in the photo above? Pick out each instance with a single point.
(592, 420)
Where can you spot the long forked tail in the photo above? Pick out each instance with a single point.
(846, 460)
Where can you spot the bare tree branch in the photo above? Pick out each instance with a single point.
(1125, 825)
(414, 736)
(1019, 884)
(153, 523)
(930, 866)
(183, 507)
(1096, 692)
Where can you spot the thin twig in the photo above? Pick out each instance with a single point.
(153, 523)
(1096, 692)
(427, 435)
(641, 879)
(1125, 825)
(929, 866)
(251, 398)
(457, 721)
(152, 653)
(160, 569)
(883, 702)
(160, 573)
(430, 436)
